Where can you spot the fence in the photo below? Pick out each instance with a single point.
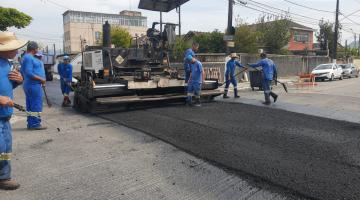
(288, 65)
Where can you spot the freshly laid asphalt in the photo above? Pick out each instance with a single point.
(317, 157)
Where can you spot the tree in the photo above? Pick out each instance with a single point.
(274, 34)
(120, 37)
(178, 49)
(211, 42)
(246, 39)
(11, 17)
(325, 36)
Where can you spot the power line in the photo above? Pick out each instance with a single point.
(346, 17)
(42, 38)
(356, 11)
(303, 16)
(277, 14)
(309, 7)
(57, 4)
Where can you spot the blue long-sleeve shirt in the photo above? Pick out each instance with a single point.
(6, 86)
(187, 64)
(196, 72)
(268, 66)
(231, 66)
(31, 67)
(65, 72)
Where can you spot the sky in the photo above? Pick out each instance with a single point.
(197, 15)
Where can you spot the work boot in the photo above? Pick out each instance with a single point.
(274, 96)
(38, 128)
(9, 184)
(197, 102)
(267, 99)
(66, 102)
(225, 96)
(236, 94)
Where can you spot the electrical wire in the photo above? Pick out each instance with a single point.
(315, 9)
(57, 4)
(277, 14)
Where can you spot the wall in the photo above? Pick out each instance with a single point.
(288, 65)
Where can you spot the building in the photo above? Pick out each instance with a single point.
(85, 28)
(302, 38)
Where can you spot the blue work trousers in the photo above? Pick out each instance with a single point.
(266, 84)
(34, 104)
(233, 81)
(5, 149)
(187, 70)
(65, 88)
(193, 89)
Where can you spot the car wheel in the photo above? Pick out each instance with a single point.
(332, 77)
(341, 77)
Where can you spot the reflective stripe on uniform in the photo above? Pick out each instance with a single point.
(5, 156)
(33, 114)
(189, 94)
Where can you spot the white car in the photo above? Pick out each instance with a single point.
(329, 71)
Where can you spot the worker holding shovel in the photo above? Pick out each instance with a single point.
(230, 75)
(65, 72)
(268, 72)
(9, 79)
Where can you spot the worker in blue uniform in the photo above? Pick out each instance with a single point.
(34, 77)
(191, 51)
(268, 73)
(196, 79)
(230, 75)
(65, 72)
(9, 79)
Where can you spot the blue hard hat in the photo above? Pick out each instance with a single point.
(66, 58)
(189, 58)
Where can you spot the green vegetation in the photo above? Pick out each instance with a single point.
(120, 37)
(11, 17)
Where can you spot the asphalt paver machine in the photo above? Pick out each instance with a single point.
(114, 78)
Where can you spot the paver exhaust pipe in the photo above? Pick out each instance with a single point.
(106, 35)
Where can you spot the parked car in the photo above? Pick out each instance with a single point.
(329, 71)
(350, 70)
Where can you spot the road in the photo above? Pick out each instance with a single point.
(220, 151)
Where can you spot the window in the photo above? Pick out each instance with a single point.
(97, 35)
(301, 36)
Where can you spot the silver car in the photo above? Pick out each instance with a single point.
(350, 70)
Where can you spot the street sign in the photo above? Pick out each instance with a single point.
(228, 37)
(230, 44)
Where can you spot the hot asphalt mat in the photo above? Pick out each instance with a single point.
(315, 156)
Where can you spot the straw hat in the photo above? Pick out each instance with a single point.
(9, 42)
(234, 55)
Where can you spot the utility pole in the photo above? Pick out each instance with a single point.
(230, 16)
(229, 31)
(336, 31)
(358, 52)
(179, 12)
(346, 46)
